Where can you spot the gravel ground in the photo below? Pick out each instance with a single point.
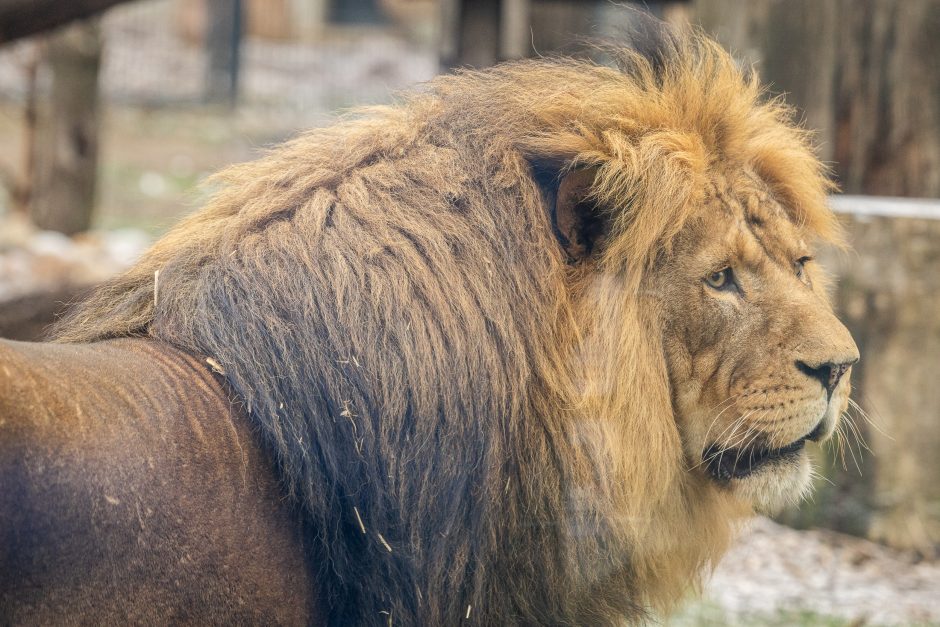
(778, 575)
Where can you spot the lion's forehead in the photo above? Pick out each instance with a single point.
(758, 227)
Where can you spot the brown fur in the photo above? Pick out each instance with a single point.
(132, 493)
(473, 422)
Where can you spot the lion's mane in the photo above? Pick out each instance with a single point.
(470, 424)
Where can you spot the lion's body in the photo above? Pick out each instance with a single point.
(143, 497)
(471, 425)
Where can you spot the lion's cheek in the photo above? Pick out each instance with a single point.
(691, 420)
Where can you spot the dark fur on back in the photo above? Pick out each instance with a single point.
(388, 299)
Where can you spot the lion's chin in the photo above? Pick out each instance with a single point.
(784, 481)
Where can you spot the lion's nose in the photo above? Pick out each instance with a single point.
(828, 373)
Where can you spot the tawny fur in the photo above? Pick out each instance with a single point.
(472, 424)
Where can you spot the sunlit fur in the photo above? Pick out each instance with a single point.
(387, 297)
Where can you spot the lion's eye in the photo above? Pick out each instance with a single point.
(720, 280)
(800, 266)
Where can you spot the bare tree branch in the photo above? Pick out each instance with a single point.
(21, 18)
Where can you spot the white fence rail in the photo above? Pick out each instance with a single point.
(886, 206)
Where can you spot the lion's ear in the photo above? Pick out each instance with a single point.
(580, 224)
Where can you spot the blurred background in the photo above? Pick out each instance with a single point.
(113, 111)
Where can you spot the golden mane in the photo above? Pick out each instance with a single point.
(470, 423)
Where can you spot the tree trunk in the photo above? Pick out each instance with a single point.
(514, 34)
(66, 149)
(864, 73)
(479, 33)
(223, 46)
(470, 35)
(561, 25)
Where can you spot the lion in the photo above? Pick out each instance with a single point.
(524, 347)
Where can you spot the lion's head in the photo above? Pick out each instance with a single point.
(757, 361)
(525, 345)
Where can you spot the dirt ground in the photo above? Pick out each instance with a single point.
(775, 575)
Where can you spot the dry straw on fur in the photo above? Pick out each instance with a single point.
(389, 297)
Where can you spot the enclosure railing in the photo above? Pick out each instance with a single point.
(886, 206)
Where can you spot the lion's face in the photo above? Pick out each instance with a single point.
(757, 361)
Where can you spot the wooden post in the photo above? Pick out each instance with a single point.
(66, 139)
(470, 33)
(557, 24)
(223, 46)
(514, 37)
(23, 195)
(864, 72)
(17, 183)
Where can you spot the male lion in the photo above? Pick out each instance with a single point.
(522, 349)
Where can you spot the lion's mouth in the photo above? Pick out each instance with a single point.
(725, 464)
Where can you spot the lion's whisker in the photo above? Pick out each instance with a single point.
(850, 428)
(814, 475)
(746, 442)
(711, 457)
(839, 440)
(862, 446)
(867, 418)
(859, 434)
(737, 423)
(715, 420)
(751, 431)
(727, 400)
